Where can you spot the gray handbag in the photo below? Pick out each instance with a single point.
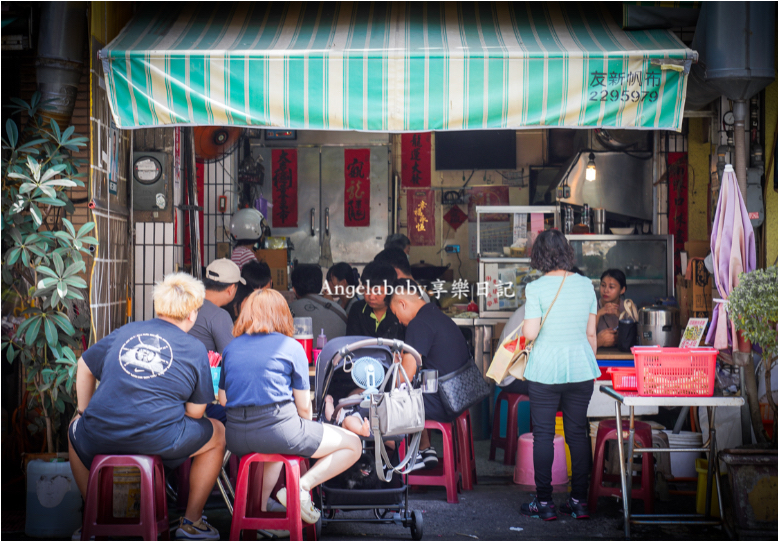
(401, 411)
(463, 388)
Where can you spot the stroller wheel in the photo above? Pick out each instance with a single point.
(417, 525)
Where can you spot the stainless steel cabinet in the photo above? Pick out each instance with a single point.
(321, 204)
(646, 260)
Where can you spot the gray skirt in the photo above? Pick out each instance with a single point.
(271, 429)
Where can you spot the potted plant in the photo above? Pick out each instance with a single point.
(42, 259)
(752, 307)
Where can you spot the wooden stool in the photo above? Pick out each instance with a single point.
(466, 455)
(508, 443)
(247, 514)
(607, 430)
(99, 517)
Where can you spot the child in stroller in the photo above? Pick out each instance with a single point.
(352, 418)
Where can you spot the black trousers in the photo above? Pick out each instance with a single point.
(545, 401)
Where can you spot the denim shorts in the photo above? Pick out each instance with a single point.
(271, 429)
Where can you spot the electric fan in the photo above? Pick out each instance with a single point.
(368, 373)
(212, 143)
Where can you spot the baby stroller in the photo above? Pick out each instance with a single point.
(336, 374)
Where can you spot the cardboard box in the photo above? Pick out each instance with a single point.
(277, 261)
(695, 295)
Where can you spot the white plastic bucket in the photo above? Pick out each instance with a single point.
(683, 463)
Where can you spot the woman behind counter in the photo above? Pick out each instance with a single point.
(610, 305)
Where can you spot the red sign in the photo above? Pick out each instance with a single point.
(420, 209)
(357, 187)
(455, 217)
(415, 155)
(284, 164)
(488, 196)
(677, 203)
(754, 215)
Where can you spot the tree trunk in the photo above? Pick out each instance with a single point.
(49, 436)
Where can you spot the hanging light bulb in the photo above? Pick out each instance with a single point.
(590, 174)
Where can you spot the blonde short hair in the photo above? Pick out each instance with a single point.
(178, 295)
(265, 311)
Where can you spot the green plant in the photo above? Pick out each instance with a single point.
(752, 307)
(42, 259)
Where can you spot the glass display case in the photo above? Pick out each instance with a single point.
(646, 260)
(502, 236)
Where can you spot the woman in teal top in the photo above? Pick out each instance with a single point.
(560, 371)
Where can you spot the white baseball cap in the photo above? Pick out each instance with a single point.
(224, 271)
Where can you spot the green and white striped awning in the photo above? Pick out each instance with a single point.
(393, 67)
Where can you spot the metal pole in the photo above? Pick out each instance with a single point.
(621, 453)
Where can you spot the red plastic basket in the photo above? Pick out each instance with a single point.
(675, 372)
(623, 378)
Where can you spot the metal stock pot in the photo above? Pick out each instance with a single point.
(659, 325)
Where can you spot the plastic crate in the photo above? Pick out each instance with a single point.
(623, 378)
(675, 372)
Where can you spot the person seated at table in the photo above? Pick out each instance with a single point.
(326, 315)
(440, 343)
(398, 240)
(399, 261)
(265, 388)
(371, 317)
(610, 305)
(341, 281)
(155, 383)
(257, 276)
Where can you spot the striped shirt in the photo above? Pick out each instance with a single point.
(561, 353)
(242, 255)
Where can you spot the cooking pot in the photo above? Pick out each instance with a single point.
(426, 271)
(658, 325)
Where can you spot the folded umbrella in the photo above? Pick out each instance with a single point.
(733, 253)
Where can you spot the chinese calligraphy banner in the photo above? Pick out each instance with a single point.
(357, 188)
(420, 208)
(393, 67)
(677, 204)
(285, 187)
(415, 156)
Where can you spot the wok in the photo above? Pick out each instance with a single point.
(426, 271)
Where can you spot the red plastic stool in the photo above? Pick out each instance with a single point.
(247, 514)
(466, 456)
(508, 443)
(607, 430)
(99, 517)
(443, 475)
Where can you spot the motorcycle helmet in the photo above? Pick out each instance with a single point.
(247, 225)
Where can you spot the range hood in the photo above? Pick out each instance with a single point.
(623, 185)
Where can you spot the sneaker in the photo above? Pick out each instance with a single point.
(429, 457)
(575, 509)
(199, 530)
(419, 463)
(535, 509)
(308, 512)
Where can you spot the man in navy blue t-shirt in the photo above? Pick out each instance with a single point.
(155, 383)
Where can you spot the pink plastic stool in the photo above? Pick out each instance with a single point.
(99, 517)
(247, 515)
(524, 473)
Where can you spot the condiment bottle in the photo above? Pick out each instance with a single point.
(321, 340)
